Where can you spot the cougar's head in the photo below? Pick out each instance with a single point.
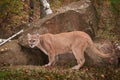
(33, 40)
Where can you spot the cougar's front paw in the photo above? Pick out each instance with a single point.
(47, 65)
(76, 67)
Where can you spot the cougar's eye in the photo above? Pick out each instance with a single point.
(31, 41)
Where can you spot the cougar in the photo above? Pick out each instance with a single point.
(76, 42)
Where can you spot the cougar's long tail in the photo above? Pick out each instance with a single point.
(92, 49)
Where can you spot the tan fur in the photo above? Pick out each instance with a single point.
(53, 44)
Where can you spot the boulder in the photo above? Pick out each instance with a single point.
(12, 53)
(79, 15)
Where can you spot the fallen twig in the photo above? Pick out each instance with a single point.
(6, 40)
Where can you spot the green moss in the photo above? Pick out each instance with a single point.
(107, 33)
(39, 73)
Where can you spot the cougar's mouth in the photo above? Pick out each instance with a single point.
(32, 46)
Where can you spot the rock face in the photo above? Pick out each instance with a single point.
(13, 54)
(76, 16)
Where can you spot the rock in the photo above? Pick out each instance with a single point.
(12, 53)
(76, 16)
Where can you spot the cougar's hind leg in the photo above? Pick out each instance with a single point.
(78, 51)
(80, 59)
